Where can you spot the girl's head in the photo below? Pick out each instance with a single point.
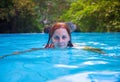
(59, 36)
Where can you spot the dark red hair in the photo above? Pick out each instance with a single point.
(53, 29)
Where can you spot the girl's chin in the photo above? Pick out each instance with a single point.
(61, 47)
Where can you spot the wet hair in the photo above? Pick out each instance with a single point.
(71, 26)
(53, 29)
(47, 29)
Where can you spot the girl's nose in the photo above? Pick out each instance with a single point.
(60, 40)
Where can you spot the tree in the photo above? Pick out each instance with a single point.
(18, 16)
(51, 10)
(94, 15)
(30, 15)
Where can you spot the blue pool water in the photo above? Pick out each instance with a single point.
(60, 65)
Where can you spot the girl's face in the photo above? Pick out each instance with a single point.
(60, 38)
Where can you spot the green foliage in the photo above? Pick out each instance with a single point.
(52, 9)
(29, 15)
(88, 15)
(18, 16)
(94, 15)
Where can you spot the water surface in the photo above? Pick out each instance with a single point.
(60, 65)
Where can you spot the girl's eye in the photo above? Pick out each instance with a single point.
(56, 37)
(64, 37)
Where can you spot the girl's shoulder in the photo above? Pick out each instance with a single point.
(49, 46)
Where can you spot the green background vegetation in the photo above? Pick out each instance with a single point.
(28, 16)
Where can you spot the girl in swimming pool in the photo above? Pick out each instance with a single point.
(59, 36)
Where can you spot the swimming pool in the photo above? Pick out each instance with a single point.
(60, 65)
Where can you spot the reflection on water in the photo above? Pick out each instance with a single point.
(90, 77)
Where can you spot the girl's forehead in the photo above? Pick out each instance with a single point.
(61, 31)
